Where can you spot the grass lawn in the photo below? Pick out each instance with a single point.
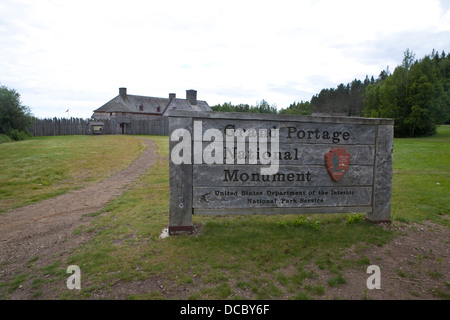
(421, 188)
(249, 257)
(43, 167)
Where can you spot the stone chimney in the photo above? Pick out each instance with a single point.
(172, 96)
(123, 92)
(191, 96)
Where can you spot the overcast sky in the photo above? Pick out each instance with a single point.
(75, 54)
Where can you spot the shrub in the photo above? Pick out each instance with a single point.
(4, 138)
(19, 134)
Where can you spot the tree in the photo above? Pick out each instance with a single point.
(261, 107)
(299, 108)
(356, 95)
(346, 99)
(416, 95)
(265, 107)
(408, 60)
(15, 118)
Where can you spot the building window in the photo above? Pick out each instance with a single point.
(158, 109)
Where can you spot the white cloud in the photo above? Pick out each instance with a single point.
(77, 53)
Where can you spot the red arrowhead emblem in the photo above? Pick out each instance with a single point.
(337, 161)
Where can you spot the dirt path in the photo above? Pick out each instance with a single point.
(45, 229)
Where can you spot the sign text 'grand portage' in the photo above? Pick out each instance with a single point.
(236, 163)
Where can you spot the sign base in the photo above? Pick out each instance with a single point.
(177, 230)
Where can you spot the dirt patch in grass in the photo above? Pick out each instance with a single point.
(415, 265)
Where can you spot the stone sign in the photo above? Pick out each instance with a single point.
(237, 163)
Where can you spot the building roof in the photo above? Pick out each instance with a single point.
(184, 104)
(143, 104)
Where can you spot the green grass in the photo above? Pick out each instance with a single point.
(4, 138)
(247, 257)
(267, 257)
(43, 167)
(421, 189)
(261, 257)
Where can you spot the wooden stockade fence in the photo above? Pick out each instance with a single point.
(78, 126)
(59, 127)
(159, 126)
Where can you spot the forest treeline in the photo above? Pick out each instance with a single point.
(416, 95)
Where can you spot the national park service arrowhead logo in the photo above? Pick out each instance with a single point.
(337, 161)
